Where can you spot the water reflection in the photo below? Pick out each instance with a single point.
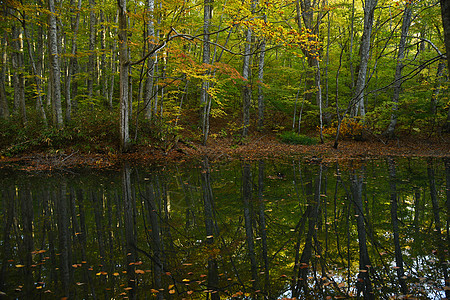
(260, 230)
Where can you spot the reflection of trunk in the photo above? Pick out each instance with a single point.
(433, 194)
(447, 177)
(8, 211)
(312, 212)
(437, 222)
(247, 197)
(26, 205)
(64, 238)
(394, 220)
(79, 233)
(262, 226)
(97, 203)
(364, 284)
(213, 277)
(130, 237)
(155, 237)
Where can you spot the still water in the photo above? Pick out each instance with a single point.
(375, 229)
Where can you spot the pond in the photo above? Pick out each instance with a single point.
(373, 229)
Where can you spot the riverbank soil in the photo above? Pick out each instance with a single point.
(256, 146)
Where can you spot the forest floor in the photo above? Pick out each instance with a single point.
(256, 146)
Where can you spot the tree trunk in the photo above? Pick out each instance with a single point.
(4, 109)
(75, 21)
(204, 97)
(246, 88)
(390, 132)
(124, 67)
(39, 104)
(92, 56)
(18, 76)
(55, 67)
(261, 81)
(149, 89)
(364, 52)
(445, 12)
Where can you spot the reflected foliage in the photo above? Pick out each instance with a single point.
(240, 230)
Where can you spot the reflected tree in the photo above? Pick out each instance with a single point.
(364, 284)
(395, 227)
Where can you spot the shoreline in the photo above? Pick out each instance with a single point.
(257, 147)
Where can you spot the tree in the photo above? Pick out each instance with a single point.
(55, 67)
(204, 101)
(364, 53)
(398, 69)
(124, 76)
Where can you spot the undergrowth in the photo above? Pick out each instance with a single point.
(290, 137)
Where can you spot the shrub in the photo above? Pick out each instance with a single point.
(290, 137)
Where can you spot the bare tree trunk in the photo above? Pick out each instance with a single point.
(364, 52)
(124, 76)
(149, 89)
(261, 81)
(39, 104)
(18, 76)
(113, 67)
(246, 88)
(390, 132)
(204, 97)
(75, 21)
(4, 109)
(103, 77)
(92, 56)
(55, 67)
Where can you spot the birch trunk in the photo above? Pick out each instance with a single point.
(92, 56)
(390, 132)
(4, 109)
(246, 88)
(261, 81)
(55, 67)
(18, 76)
(148, 92)
(358, 98)
(124, 67)
(204, 101)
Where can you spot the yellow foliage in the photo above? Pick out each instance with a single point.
(350, 128)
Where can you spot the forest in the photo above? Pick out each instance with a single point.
(102, 75)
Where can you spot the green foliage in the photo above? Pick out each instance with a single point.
(290, 137)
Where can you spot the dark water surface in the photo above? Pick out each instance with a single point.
(375, 229)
